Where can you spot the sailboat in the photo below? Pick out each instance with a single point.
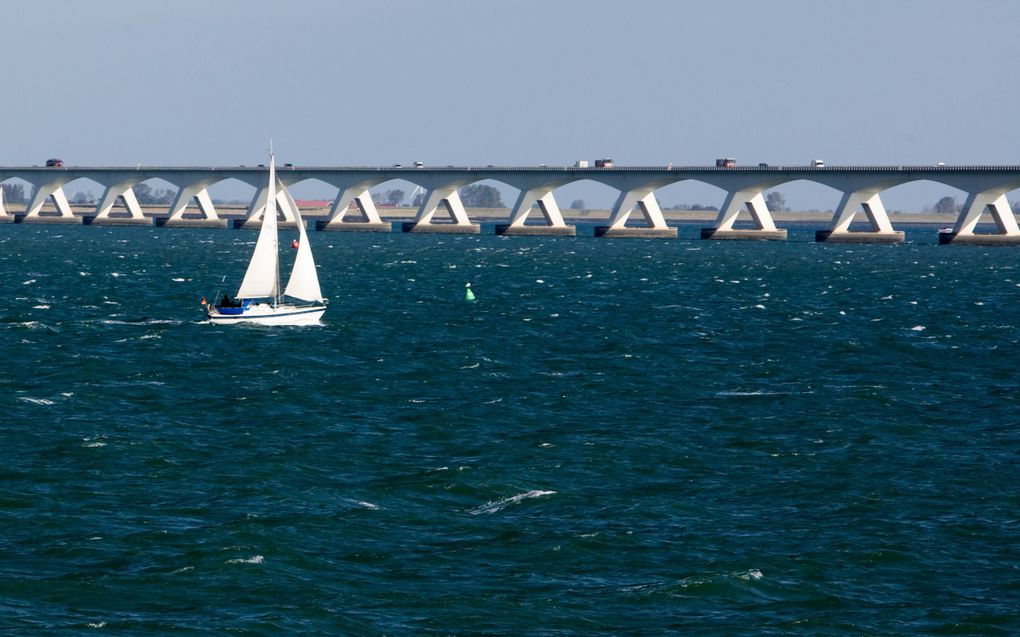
(259, 299)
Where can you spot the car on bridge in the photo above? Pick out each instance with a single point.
(54, 163)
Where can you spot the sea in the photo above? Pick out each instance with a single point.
(617, 437)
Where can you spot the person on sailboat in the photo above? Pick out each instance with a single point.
(228, 302)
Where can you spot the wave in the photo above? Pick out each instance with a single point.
(498, 505)
(741, 394)
(37, 401)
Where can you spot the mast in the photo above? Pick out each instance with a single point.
(271, 210)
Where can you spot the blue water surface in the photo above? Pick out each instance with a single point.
(626, 437)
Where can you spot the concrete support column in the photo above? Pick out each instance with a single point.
(642, 199)
(526, 201)
(881, 227)
(362, 199)
(109, 198)
(754, 201)
(449, 198)
(995, 202)
(287, 205)
(5, 217)
(205, 205)
(44, 192)
(184, 197)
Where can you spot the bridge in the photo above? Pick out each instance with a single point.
(354, 209)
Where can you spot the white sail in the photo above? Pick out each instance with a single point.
(304, 280)
(263, 276)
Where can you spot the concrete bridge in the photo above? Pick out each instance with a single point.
(354, 209)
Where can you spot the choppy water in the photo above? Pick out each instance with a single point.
(618, 437)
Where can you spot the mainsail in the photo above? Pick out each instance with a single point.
(263, 276)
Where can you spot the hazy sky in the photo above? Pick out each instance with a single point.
(208, 82)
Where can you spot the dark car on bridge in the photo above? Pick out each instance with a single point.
(54, 163)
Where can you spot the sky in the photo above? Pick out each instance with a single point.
(475, 82)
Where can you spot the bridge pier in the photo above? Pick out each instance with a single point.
(642, 199)
(554, 223)
(994, 201)
(124, 190)
(448, 197)
(176, 217)
(48, 219)
(43, 191)
(92, 220)
(881, 227)
(360, 196)
(752, 198)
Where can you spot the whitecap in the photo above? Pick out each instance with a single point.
(759, 307)
(918, 328)
(754, 574)
(36, 401)
(29, 282)
(40, 307)
(756, 392)
(97, 624)
(116, 274)
(498, 505)
(178, 279)
(255, 559)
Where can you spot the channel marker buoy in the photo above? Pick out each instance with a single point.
(468, 294)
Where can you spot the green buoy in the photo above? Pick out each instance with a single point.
(468, 294)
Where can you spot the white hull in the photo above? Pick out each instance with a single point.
(265, 314)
